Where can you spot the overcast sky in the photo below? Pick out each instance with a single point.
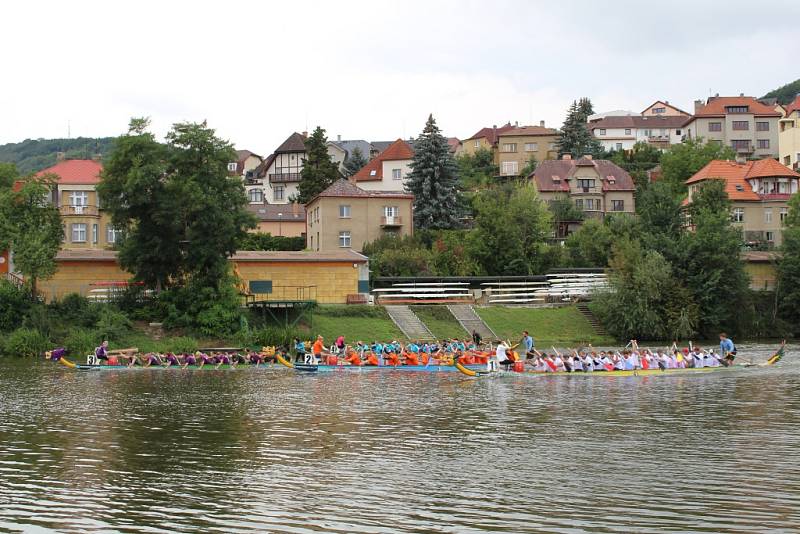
(374, 69)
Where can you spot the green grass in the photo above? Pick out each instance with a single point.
(440, 322)
(548, 326)
(356, 323)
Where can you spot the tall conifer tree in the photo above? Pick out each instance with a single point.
(319, 171)
(575, 137)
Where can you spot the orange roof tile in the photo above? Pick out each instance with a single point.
(736, 175)
(769, 167)
(491, 133)
(75, 171)
(793, 106)
(373, 171)
(715, 106)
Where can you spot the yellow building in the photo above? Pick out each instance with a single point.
(485, 138)
(761, 267)
(86, 225)
(325, 277)
(516, 146)
(789, 136)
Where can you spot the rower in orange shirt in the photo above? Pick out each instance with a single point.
(411, 358)
(425, 358)
(372, 359)
(392, 359)
(353, 358)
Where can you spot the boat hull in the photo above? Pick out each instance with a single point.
(307, 368)
(208, 367)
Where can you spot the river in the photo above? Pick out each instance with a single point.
(273, 451)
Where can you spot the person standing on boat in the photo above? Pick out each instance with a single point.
(300, 349)
(476, 338)
(317, 348)
(527, 343)
(727, 349)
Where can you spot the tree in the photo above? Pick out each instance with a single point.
(637, 161)
(354, 163)
(8, 173)
(590, 245)
(574, 137)
(680, 162)
(710, 263)
(530, 166)
(512, 227)
(319, 171)
(476, 170)
(645, 300)
(785, 93)
(31, 227)
(788, 287)
(434, 181)
(661, 219)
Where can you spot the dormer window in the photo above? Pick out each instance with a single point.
(740, 188)
(556, 178)
(611, 179)
(737, 109)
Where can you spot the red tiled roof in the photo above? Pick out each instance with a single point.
(633, 121)
(527, 130)
(736, 175)
(793, 106)
(397, 151)
(278, 212)
(75, 171)
(553, 174)
(715, 106)
(666, 104)
(491, 133)
(345, 188)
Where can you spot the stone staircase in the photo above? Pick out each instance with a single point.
(465, 314)
(586, 312)
(408, 322)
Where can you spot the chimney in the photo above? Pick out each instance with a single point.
(305, 134)
(494, 132)
(698, 105)
(516, 123)
(740, 94)
(339, 137)
(566, 157)
(60, 156)
(587, 156)
(666, 101)
(541, 124)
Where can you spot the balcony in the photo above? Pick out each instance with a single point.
(391, 222)
(744, 149)
(284, 177)
(84, 211)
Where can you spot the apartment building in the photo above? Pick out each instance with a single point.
(345, 216)
(759, 191)
(741, 122)
(659, 124)
(789, 135)
(517, 145)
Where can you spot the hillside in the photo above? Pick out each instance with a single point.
(34, 155)
(786, 93)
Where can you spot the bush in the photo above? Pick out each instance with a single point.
(14, 305)
(182, 345)
(38, 318)
(74, 309)
(112, 325)
(272, 336)
(25, 342)
(82, 341)
(210, 311)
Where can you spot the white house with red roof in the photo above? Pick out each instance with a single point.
(789, 136)
(388, 171)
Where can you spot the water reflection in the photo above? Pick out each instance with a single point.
(273, 451)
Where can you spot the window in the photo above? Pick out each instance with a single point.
(477, 143)
(397, 174)
(509, 147)
(741, 125)
(531, 147)
(78, 233)
(770, 237)
(767, 215)
(740, 188)
(344, 211)
(373, 172)
(784, 214)
(590, 204)
(617, 205)
(344, 239)
(232, 166)
(737, 109)
(553, 146)
(714, 126)
(255, 195)
(94, 233)
(762, 126)
(277, 192)
(619, 146)
(659, 110)
(111, 234)
(78, 198)
(510, 168)
(763, 143)
(677, 132)
(579, 203)
(740, 144)
(601, 131)
(586, 183)
(627, 131)
(738, 215)
(391, 211)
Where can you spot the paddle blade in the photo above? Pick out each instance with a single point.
(777, 356)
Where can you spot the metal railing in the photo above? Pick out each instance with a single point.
(79, 210)
(284, 293)
(392, 221)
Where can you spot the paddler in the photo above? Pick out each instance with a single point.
(101, 352)
(727, 349)
(353, 358)
(316, 350)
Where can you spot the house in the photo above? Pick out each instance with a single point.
(86, 225)
(741, 122)
(288, 220)
(338, 154)
(484, 138)
(388, 170)
(276, 179)
(759, 191)
(516, 146)
(789, 135)
(663, 108)
(622, 132)
(246, 161)
(345, 216)
(597, 187)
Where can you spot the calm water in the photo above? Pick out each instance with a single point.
(271, 451)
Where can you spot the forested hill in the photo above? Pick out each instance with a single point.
(34, 155)
(786, 93)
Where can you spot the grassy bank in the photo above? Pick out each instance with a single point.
(364, 323)
(548, 326)
(440, 322)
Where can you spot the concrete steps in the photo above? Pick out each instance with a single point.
(465, 314)
(593, 320)
(408, 323)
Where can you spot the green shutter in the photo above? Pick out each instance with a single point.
(363, 286)
(260, 287)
